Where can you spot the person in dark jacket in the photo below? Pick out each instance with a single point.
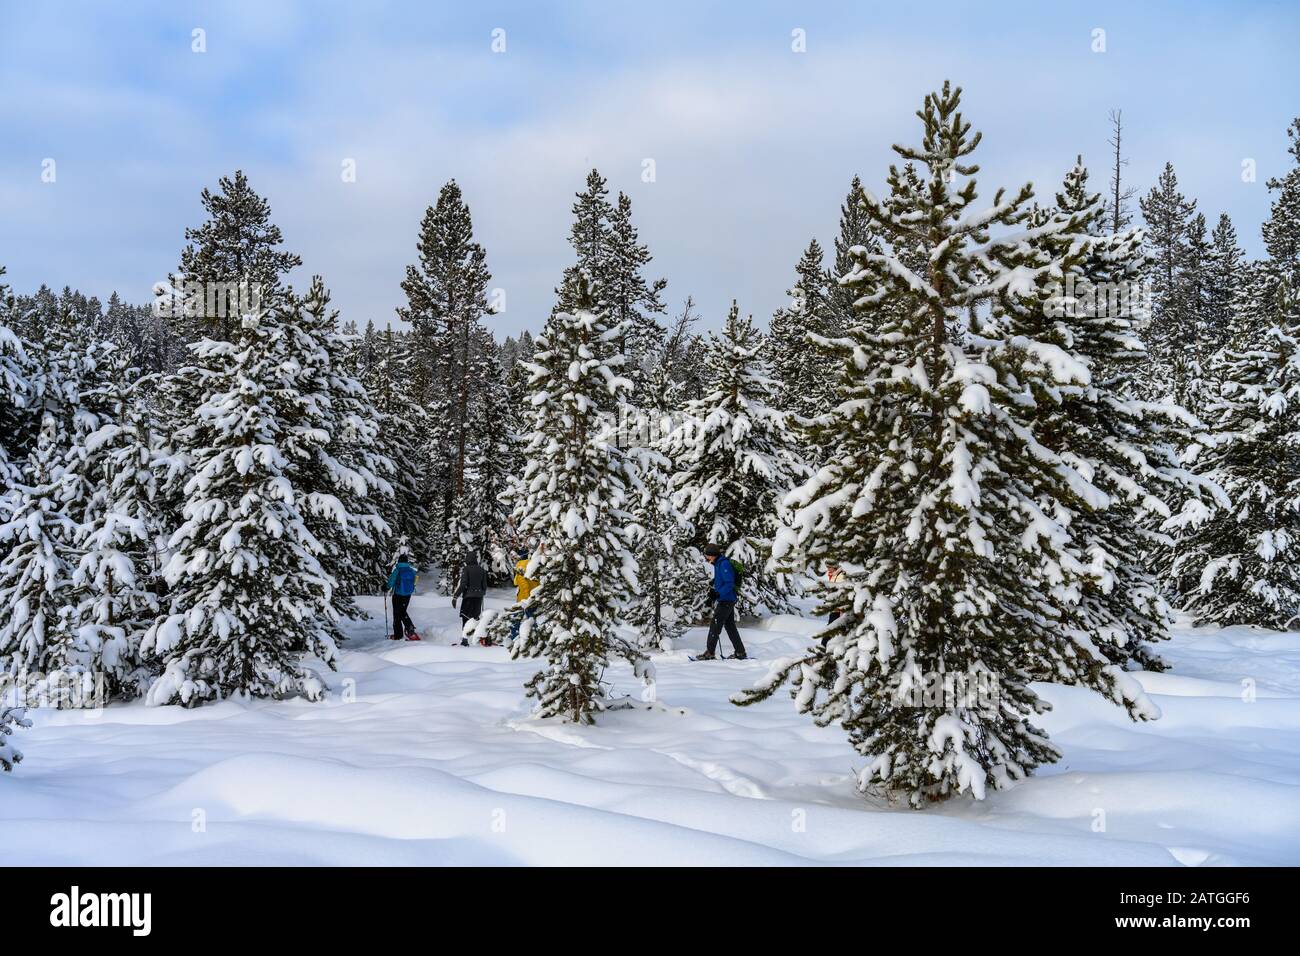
(723, 598)
(472, 587)
(402, 583)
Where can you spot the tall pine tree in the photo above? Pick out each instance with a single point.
(947, 517)
(1172, 323)
(446, 300)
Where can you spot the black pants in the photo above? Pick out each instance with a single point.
(835, 616)
(724, 615)
(470, 608)
(402, 623)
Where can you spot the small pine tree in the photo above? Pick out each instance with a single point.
(797, 364)
(735, 458)
(1224, 281)
(571, 503)
(855, 231)
(11, 719)
(683, 355)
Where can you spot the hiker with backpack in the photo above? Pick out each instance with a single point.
(402, 583)
(470, 589)
(723, 594)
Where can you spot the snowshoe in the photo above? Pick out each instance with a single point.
(413, 636)
(706, 656)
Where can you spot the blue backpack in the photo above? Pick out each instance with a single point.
(405, 584)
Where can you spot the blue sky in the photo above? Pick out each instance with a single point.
(754, 144)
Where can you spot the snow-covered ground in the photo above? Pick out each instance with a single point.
(425, 754)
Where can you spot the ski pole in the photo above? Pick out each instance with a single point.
(385, 616)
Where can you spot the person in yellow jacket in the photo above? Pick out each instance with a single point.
(523, 587)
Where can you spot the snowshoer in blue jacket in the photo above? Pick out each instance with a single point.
(402, 583)
(723, 598)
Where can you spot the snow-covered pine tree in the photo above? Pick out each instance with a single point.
(34, 313)
(401, 421)
(1225, 273)
(683, 355)
(37, 539)
(670, 574)
(53, 498)
(855, 230)
(1128, 448)
(735, 458)
(1259, 305)
(796, 363)
(446, 300)
(11, 719)
(367, 349)
(247, 590)
(517, 389)
(610, 255)
(947, 517)
(571, 506)
(1172, 324)
(237, 244)
(1197, 304)
(592, 239)
(113, 598)
(17, 421)
(491, 458)
(1281, 232)
(1245, 557)
(337, 467)
(633, 302)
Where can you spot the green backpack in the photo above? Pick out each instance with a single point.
(738, 570)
